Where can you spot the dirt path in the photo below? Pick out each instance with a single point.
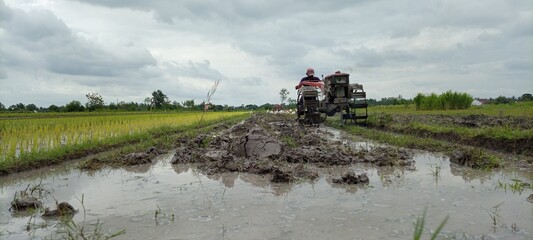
(278, 145)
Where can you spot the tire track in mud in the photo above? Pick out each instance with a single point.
(279, 146)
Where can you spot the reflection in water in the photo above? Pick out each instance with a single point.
(392, 176)
(248, 206)
(469, 174)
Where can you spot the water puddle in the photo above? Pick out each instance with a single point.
(165, 201)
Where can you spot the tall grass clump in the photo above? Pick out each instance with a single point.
(445, 101)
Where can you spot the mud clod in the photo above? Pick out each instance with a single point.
(278, 145)
(26, 203)
(383, 156)
(473, 159)
(141, 157)
(530, 198)
(352, 178)
(62, 209)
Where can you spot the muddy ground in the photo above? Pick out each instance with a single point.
(523, 146)
(279, 146)
(271, 178)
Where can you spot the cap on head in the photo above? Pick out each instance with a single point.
(310, 72)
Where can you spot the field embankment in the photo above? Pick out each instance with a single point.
(506, 129)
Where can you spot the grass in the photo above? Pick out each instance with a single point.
(419, 227)
(445, 101)
(496, 133)
(117, 131)
(491, 129)
(520, 109)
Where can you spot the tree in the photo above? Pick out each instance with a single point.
(159, 99)
(53, 108)
(17, 107)
(291, 103)
(74, 106)
(188, 104)
(283, 94)
(94, 101)
(501, 100)
(31, 107)
(2, 107)
(251, 107)
(524, 98)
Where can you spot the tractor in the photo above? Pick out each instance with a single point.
(334, 94)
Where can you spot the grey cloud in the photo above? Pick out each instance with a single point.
(363, 57)
(3, 74)
(231, 10)
(384, 43)
(248, 82)
(38, 39)
(192, 69)
(519, 64)
(5, 12)
(35, 26)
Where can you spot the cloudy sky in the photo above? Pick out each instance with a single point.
(55, 51)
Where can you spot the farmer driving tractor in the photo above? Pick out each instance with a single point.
(309, 98)
(310, 77)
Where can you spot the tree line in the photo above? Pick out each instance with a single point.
(157, 102)
(526, 97)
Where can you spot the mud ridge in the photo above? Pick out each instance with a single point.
(513, 146)
(278, 145)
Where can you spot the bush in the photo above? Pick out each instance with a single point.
(446, 101)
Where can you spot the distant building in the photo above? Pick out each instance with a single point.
(476, 103)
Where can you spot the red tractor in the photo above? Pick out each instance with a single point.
(334, 94)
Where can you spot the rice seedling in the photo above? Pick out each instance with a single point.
(25, 139)
(160, 214)
(419, 226)
(518, 186)
(494, 213)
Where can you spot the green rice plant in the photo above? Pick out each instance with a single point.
(419, 226)
(517, 186)
(28, 139)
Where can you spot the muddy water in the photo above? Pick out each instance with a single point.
(245, 206)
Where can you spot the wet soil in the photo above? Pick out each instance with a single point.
(278, 145)
(514, 146)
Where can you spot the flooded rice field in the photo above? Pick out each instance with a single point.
(169, 200)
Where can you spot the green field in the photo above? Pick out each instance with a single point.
(519, 109)
(29, 140)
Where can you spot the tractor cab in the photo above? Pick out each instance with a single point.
(348, 99)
